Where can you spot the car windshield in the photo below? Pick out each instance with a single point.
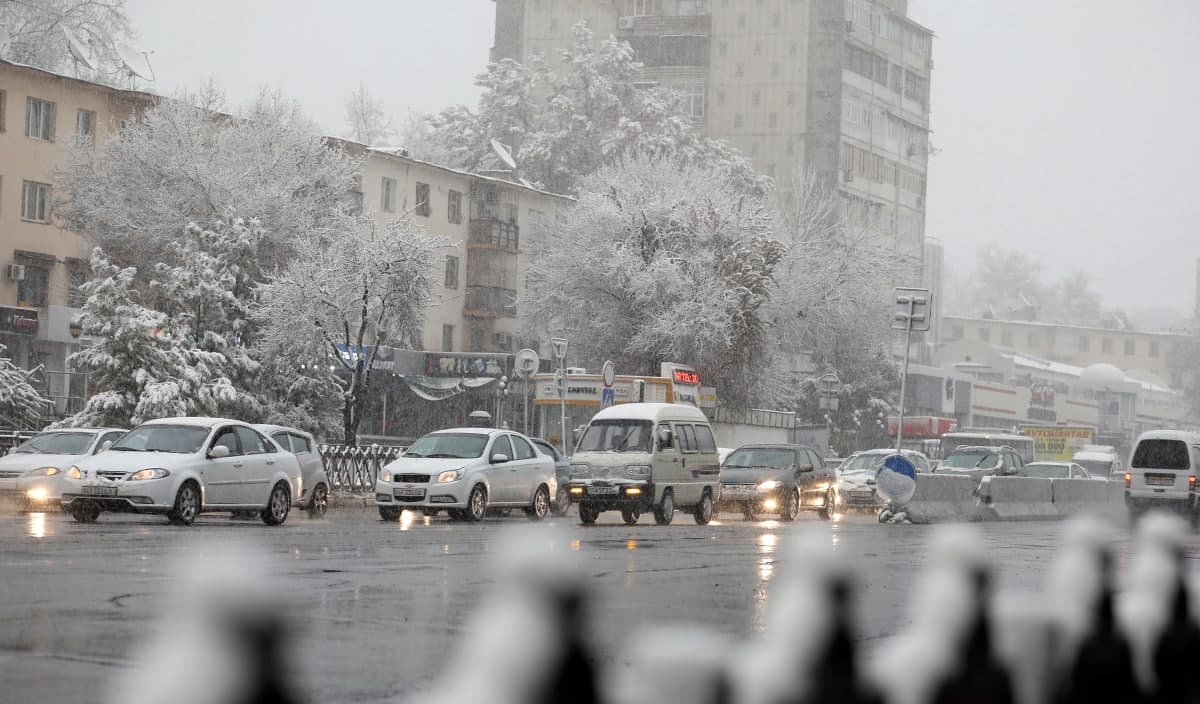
(449, 445)
(180, 439)
(56, 444)
(866, 462)
(1046, 471)
(761, 458)
(971, 459)
(617, 436)
(1097, 468)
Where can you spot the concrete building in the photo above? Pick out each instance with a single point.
(838, 85)
(41, 264)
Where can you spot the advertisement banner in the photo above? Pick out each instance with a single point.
(1058, 443)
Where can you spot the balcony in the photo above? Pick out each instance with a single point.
(490, 302)
(658, 25)
(491, 232)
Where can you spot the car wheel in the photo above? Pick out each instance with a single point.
(187, 505)
(704, 510)
(541, 504)
(389, 513)
(85, 511)
(278, 505)
(319, 503)
(476, 504)
(588, 514)
(630, 515)
(826, 511)
(750, 511)
(561, 504)
(791, 507)
(664, 513)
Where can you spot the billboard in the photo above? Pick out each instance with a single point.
(1058, 442)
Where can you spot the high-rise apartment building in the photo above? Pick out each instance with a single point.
(841, 86)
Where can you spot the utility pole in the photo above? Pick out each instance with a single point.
(912, 313)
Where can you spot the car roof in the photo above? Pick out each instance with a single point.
(773, 446)
(1183, 435)
(201, 421)
(81, 430)
(651, 411)
(889, 451)
(269, 428)
(472, 431)
(1051, 463)
(977, 448)
(1094, 455)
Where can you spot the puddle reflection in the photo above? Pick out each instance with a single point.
(406, 519)
(37, 525)
(631, 544)
(767, 542)
(576, 544)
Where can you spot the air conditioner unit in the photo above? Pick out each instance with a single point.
(16, 272)
(848, 175)
(849, 26)
(625, 22)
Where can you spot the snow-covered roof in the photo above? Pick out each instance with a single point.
(649, 411)
(394, 153)
(103, 86)
(1045, 324)
(1096, 374)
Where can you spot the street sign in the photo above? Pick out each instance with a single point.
(608, 395)
(896, 479)
(912, 309)
(527, 362)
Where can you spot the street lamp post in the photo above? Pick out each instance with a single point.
(560, 353)
(912, 313)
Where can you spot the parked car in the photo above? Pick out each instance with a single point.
(723, 453)
(1057, 470)
(33, 471)
(315, 499)
(640, 457)
(856, 477)
(182, 467)
(979, 461)
(1101, 461)
(777, 479)
(1162, 473)
(468, 471)
(562, 472)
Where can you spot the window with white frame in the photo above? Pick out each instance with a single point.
(85, 124)
(454, 207)
(642, 8)
(35, 201)
(423, 209)
(451, 271)
(387, 195)
(3, 107)
(693, 100)
(692, 7)
(39, 119)
(859, 13)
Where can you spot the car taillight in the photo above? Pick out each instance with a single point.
(1128, 479)
(1192, 483)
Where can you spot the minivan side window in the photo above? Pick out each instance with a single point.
(675, 441)
(687, 436)
(284, 440)
(300, 444)
(502, 447)
(705, 436)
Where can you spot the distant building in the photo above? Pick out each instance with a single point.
(842, 86)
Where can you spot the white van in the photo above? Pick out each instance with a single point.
(1163, 473)
(642, 457)
(1100, 461)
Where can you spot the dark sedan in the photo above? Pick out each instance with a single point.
(776, 479)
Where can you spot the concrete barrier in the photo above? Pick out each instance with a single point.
(1116, 492)
(1019, 498)
(943, 497)
(1074, 496)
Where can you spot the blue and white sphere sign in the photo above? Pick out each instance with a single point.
(896, 479)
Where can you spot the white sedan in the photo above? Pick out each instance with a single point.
(182, 467)
(33, 472)
(467, 471)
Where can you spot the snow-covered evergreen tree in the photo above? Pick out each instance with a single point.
(22, 406)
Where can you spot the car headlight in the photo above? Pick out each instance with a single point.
(450, 475)
(385, 475)
(637, 470)
(770, 485)
(144, 474)
(579, 470)
(74, 473)
(45, 472)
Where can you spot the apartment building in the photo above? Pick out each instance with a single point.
(42, 114)
(838, 85)
(495, 228)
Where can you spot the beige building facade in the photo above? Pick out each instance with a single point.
(841, 86)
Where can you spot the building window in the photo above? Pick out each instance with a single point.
(737, 121)
(756, 98)
(774, 70)
(773, 120)
(387, 195)
(1084, 343)
(31, 290)
(39, 119)
(1033, 340)
(693, 100)
(1153, 349)
(642, 8)
(454, 207)
(1130, 347)
(985, 334)
(741, 71)
(1106, 345)
(423, 199)
(35, 199)
(689, 8)
(85, 124)
(451, 272)
(3, 108)
(447, 338)
(1006, 338)
(956, 332)
(76, 278)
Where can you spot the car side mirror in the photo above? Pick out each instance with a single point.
(218, 452)
(105, 445)
(499, 458)
(806, 467)
(665, 438)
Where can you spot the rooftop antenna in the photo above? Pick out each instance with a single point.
(80, 54)
(504, 154)
(135, 64)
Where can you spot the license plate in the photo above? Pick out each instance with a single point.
(1160, 479)
(409, 491)
(735, 493)
(602, 490)
(862, 494)
(98, 490)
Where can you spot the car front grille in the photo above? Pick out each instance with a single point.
(739, 487)
(111, 473)
(411, 478)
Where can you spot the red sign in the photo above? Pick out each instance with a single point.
(685, 377)
(923, 426)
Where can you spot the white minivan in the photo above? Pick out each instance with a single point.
(642, 457)
(1163, 473)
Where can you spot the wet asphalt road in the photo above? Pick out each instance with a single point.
(385, 604)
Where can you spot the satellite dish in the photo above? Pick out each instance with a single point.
(503, 154)
(79, 50)
(135, 63)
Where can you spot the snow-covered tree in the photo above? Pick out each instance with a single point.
(661, 261)
(22, 406)
(35, 27)
(361, 285)
(366, 118)
(565, 124)
(179, 164)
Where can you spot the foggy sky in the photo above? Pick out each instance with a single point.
(1065, 127)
